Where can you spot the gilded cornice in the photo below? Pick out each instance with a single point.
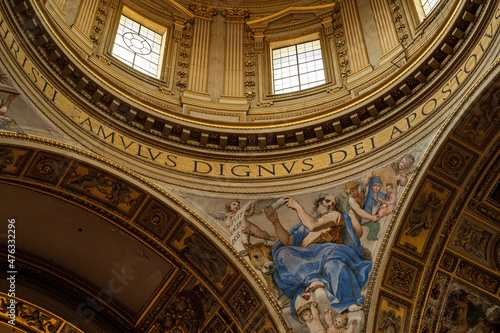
(383, 103)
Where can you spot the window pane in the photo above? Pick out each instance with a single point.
(137, 46)
(297, 67)
(429, 5)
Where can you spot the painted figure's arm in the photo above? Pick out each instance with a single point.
(366, 179)
(392, 199)
(5, 107)
(307, 220)
(314, 310)
(328, 317)
(251, 209)
(361, 212)
(228, 220)
(352, 326)
(283, 236)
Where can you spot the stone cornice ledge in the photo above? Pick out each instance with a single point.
(313, 128)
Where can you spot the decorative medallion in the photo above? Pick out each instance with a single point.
(453, 161)
(48, 168)
(183, 315)
(157, 218)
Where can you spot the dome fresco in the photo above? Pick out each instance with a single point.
(250, 167)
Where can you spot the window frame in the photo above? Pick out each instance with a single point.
(436, 5)
(165, 31)
(296, 66)
(272, 44)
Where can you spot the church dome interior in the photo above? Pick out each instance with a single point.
(180, 166)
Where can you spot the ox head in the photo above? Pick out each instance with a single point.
(260, 257)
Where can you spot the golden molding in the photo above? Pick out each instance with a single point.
(353, 103)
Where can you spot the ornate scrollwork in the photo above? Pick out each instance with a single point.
(265, 105)
(165, 91)
(401, 276)
(46, 168)
(203, 10)
(235, 14)
(244, 302)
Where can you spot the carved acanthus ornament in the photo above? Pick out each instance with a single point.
(250, 66)
(183, 63)
(101, 15)
(203, 11)
(340, 44)
(235, 15)
(400, 23)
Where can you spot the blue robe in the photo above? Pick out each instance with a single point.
(370, 200)
(338, 266)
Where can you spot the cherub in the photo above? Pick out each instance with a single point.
(310, 316)
(387, 202)
(248, 228)
(339, 323)
(403, 169)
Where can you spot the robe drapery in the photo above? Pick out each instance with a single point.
(338, 266)
(370, 201)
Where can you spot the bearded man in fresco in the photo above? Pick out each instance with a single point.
(322, 252)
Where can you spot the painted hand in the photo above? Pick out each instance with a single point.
(291, 203)
(271, 215)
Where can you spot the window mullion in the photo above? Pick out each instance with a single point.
(298, 70)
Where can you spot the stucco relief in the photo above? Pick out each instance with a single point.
(467, 310)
